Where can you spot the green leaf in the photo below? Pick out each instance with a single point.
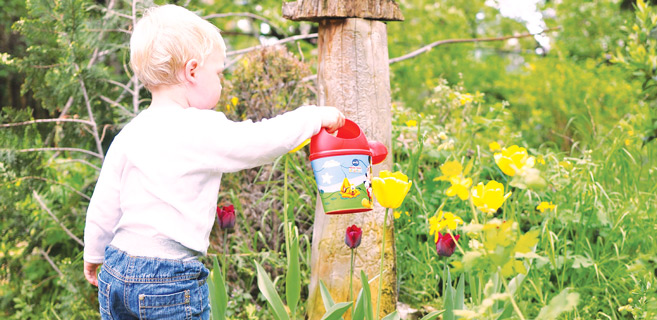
(563, 302)
(433, 315)
(326, 295)
(293, 277)
(459, 300)
(392, 316)
(367, 295)
(361, 305)
(448, 297)
(336, 311)
(218, 296)
(269, 291)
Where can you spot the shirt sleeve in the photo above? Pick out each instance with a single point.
(236, 146)
(104, 211)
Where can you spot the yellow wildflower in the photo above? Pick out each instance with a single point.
(465, 98)
(513, 160)
(545, 206)
(442, 135)
(490, 197)
(451, 169)
(448, 220)
(234, 101)
(460, 187)
(628, 142)
(411, 123)
(566, 165)
(494, 146)
(390, 189)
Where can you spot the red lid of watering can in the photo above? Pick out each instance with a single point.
(348, 140)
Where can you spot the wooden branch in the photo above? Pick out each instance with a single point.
(245, 14)
(52, 182)
(116, 104)
(124, 86)
(58, 149)
(68, 105)
(285, 40)
(81, 161)
(448, 41)
(43, 205)
(87, 102)
(16, 124)
(52, 263)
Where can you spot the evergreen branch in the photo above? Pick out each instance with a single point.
(57, 149)
(43, 205)
(472, 40)
(16, 124)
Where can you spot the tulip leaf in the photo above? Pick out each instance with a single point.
(326, 295)
(392, 316)
(269, 291)
(367, 296)
(218, 296)
(433, 315)
(459, 300)
(293, 277)
(336, 311)
(449, 297)
(359, 310)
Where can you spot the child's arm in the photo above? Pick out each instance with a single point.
(234, 146)
(103, 214)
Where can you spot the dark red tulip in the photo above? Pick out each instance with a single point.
(446, 244)
(353, 236)
(226, 217)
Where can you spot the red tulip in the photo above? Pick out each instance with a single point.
(446, 244)
(226, 217)
(353, 236)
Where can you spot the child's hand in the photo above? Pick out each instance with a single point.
(90, 272)
(332, 118)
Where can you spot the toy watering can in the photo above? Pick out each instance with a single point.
(342, 165)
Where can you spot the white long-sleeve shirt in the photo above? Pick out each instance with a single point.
(160, 179)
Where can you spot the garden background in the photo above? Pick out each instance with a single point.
(584, 107)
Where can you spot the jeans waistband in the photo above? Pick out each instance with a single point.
(137, 269)
(139, 245)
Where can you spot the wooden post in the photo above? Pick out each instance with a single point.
(353, 75)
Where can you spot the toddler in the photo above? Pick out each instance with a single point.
(154, 204)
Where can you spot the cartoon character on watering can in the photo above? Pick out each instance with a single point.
(348, 156)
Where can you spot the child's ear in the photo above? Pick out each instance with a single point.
(191, 69)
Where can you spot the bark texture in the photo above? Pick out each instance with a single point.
(353, 75)
(321, 9)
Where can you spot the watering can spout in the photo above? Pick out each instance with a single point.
(379, 151)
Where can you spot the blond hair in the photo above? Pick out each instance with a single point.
(165, 38)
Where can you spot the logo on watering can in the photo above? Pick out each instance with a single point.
(342, 165)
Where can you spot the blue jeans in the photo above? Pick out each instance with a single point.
(131, 287)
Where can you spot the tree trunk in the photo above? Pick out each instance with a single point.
(353, 76)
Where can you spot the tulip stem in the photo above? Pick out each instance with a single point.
(351, 281)
(286, 227)
(383, 245)
(223, 256)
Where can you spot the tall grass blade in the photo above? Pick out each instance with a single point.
(218, 296)
(269, 291)
(293, 277)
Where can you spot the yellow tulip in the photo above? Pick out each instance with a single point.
(513, 160)
(490, 197)
(390, 189)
